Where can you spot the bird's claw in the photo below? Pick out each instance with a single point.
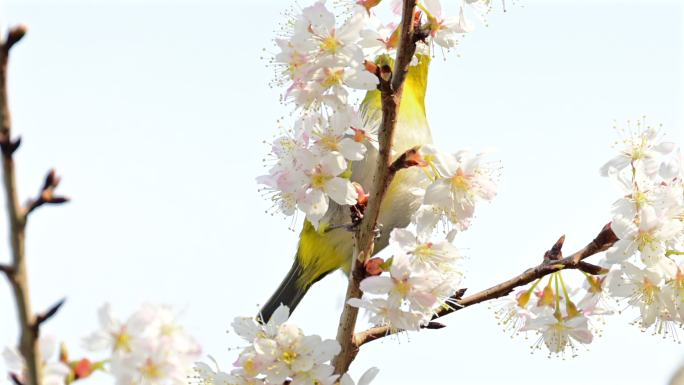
(377, 231)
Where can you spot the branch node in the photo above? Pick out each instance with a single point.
(44, 317)
(408, 159)
(46, 195)
(14, 35)
(555, 253)
(9, 146)
(7, 270)
(606, 237)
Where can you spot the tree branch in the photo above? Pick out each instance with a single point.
(553, 262)
(16, 273)
(391, 87)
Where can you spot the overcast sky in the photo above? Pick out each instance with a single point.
(154, 112)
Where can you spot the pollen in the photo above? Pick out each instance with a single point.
(644, 238)
(151, 370)
(649, 292)
(122, 341)
(288, 357)
(319, 180)
(460, 181)
(424, 250)
(330, 142)
(332, 77)
(330, 44)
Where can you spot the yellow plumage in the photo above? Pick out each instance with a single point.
(321, 252)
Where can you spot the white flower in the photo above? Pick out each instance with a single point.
(323, 182)
(595, 301)
(328, 84)
(384, 313)
(114, 335)
(444, 30)
(150, 366)
(379, 39)
(439, 256)
(642, 149)
(151, 348)
(332, 43)
(163, 326)
(334, 136)
(649, 238)
(278, 352)
(511, 311)
(403, 285)
(642, 288)
(321, 59)
(460, 182)
(294, 62)
(559, 333)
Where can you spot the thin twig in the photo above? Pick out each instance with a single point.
(603, 241)
(391, 86)
(47, 194)
(17, 275)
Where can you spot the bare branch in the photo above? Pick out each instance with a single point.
(552, 263)
(28, 341)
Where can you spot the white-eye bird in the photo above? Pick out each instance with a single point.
(322, 252)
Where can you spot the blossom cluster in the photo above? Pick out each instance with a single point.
(313, 163)
(561, 316)
(149, 348)
(645, 265)
(278, 352)
(647, 269)
(322, 58)
(424, 270)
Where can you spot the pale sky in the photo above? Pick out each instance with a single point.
(154, 113)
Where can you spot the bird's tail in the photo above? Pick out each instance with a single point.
(289, 293)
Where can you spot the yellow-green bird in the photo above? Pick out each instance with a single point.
(320, 253)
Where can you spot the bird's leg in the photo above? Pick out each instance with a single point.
(377, 231)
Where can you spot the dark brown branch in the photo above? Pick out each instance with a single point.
(391, 88)
(552, 263)
(590, 268)
(28, 341)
